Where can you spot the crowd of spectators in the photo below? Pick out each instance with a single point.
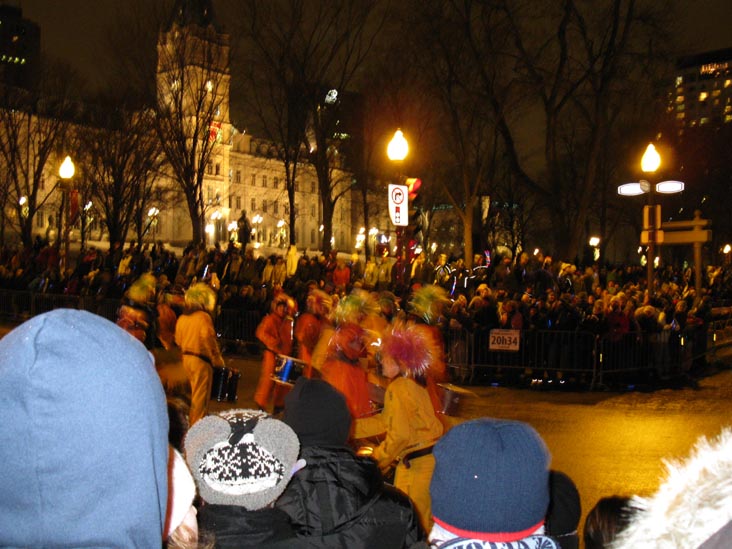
(532, 292)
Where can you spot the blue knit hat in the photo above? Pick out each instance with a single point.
(491, 480)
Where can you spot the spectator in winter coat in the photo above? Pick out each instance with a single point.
(83, 436)
(241, 461)
(339, 499)
(490, 486)
(693, 505)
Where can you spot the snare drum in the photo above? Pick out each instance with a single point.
(219, 386)
(288, 369)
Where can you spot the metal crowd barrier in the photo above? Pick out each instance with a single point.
(581, 358)
(238, 327)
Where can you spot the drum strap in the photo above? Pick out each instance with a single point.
(416, 454)
(202, 357)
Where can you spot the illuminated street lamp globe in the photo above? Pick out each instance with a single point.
(398, 147)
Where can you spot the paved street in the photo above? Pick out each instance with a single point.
(608, 442)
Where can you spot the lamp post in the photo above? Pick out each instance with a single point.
(652, 212)
(66, 172)
(397, 151)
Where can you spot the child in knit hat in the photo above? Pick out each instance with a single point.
(242, 461)
(490, 485)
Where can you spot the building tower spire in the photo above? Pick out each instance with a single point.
(193, 12)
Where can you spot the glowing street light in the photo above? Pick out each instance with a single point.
(66, 172)
(398, 147)
(650, 162)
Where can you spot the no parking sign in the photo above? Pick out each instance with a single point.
(399, 205)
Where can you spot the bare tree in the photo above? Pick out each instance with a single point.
(299, 52)
(122, 159)
(33, 126)
(192, 108)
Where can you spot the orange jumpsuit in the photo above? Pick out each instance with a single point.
(351, 380)
(275, 333)
(196, 336)
(307, 333)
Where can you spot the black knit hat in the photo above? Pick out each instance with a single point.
(318, 413)
(491, 480)
(565, 510)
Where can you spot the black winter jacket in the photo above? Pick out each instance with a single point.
(341, 500)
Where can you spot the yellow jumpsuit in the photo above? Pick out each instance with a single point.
(196, 336)
(409, 423)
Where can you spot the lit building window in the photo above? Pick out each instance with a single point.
(209, 86)
(703, 96)
(703, 120)
(238, 202)
(680, 116)
(264, 206)
(276, 183)
(727, 118)
(727, 83)
(716, 93)
(218, 169)
(254, 180)
(254, 204)
(237, 176)
(264, 181)
(679, 80)
(679, 98)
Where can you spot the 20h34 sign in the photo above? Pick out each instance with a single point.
(505, 340)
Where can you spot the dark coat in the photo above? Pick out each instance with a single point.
(235, 527)
(340, 500)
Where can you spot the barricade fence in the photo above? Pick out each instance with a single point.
(579, 358)
(521, 357)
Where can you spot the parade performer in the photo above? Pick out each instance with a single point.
(137, 314)
(310, 324)
(345, 366)
(427, 307)
(196, 337)
(275, 333)
(408, 419)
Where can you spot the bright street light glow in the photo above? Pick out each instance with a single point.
(66, 171)
(651, 159)
(398, 147)
(594, 241)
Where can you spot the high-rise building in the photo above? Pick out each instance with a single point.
(703, 90)
(20, 47)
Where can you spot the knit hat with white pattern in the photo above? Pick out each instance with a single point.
(241, 457)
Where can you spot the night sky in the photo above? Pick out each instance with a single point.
(72, 29)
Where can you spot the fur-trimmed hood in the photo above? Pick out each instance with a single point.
(692, 504)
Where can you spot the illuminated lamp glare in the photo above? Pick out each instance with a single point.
(669, 187)
(630, 189)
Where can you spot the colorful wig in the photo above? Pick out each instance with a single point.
(200, 297)
(428, 301)
(142, 290)
(355, 307)
(412, 346)
(319, 303)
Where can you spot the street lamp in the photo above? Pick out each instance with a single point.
(650, 162)
(66, 172)
(397, 151)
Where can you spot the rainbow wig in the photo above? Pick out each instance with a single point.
(412, 346)
(355, 307)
